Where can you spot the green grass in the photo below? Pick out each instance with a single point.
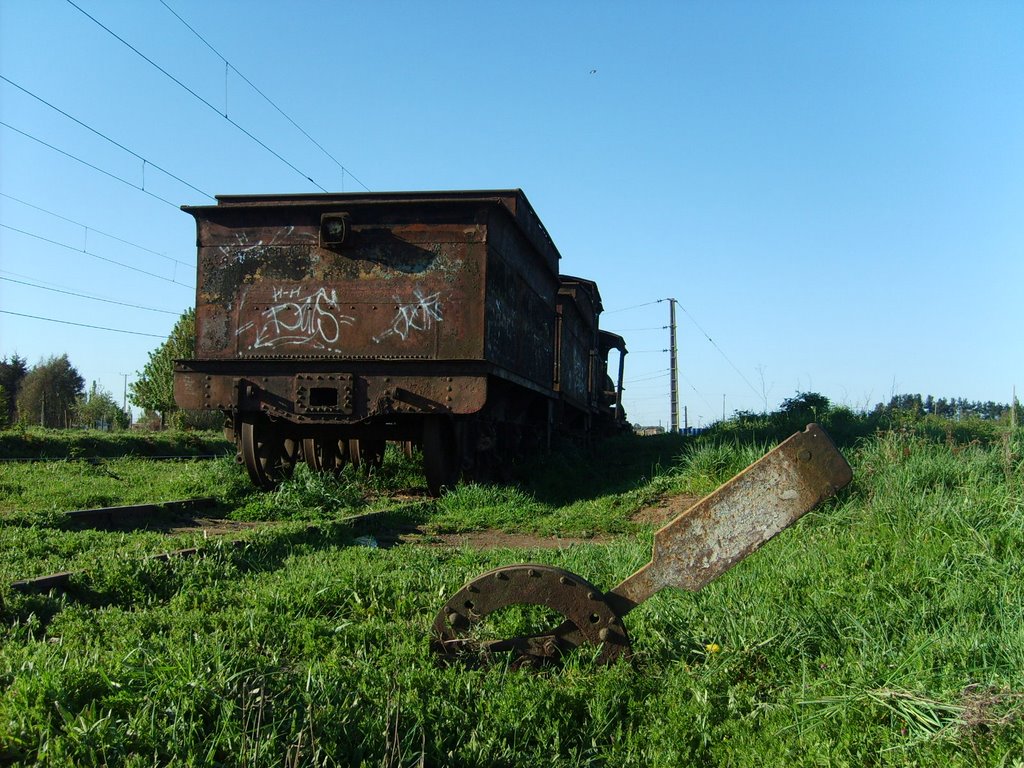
(37, 443)
(884, 628)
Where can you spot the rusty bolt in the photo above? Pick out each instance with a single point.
(604, 634)
(804, 455)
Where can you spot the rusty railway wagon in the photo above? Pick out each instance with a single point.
(328, 324)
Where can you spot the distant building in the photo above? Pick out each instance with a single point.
(648, 431)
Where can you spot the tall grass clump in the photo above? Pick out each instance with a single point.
(307, 495)
(475, 507)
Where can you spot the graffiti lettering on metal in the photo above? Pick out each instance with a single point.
(420, 314)
(244, 248)
(309, 320)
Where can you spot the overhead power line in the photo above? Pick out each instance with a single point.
(167, 74)
(102, 135)
(96, 256)
(92, 298)
(635, 306)
(229, 65)
(81, 325)
(90, 165)
(720, 351)
(88, 229)
(699, 328)
(662, 375)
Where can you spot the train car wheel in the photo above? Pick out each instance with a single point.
(325, 455)
(368, 454)
(373, 453)
(269, 456)
(442, 459)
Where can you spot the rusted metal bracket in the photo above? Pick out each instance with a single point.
(701, 544)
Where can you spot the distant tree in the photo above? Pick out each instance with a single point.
(153, 390)
(805, 404)
(99, 410)
(49, 392)
(12, 372)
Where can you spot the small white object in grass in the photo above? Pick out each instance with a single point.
(365, 541)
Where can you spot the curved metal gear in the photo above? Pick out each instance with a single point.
(589, 618)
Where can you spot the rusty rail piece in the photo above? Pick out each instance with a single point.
(701, 544)
(114, 515)
(61, 581)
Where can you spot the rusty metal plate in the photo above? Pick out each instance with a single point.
(698, 546)
(741, 515)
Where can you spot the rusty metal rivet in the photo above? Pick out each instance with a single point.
(591, 595)
(501, 576)
(531, 572)
(564, 580)
(473, 589)
(805, 455)
(604, 634)
(454, 618)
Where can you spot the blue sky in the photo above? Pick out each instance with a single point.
(833, 192)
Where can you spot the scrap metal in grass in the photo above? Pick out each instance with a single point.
(701, 544)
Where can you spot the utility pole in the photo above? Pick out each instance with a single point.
(673, 367)
(124, 403)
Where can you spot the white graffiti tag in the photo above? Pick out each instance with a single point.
(309, 320)
(244, 248)
(417, 315)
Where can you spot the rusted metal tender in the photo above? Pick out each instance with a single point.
(327, 324)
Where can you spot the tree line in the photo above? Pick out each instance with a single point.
(52, 393)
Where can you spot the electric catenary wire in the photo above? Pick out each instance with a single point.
(635, 306)
(88, 229)
(228, 65)
(706, 335)
(103, 136)
(91, 298)
(81, 325)
(89, 165)
(143, 56)
(722, 353)
(96, 256)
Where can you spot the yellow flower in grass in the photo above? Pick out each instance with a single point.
(712, 648)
